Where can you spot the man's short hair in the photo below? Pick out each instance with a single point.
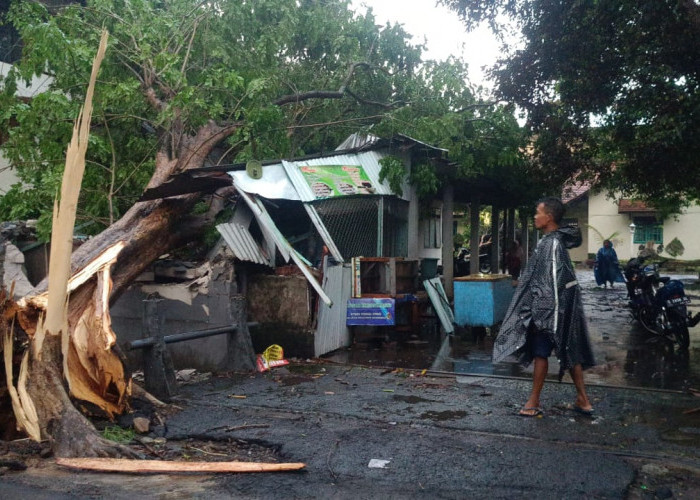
(554, 207)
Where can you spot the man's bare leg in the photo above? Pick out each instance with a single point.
(538, 376)
(581, 396)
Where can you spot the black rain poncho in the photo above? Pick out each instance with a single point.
(554, 310)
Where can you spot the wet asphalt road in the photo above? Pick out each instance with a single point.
(625, 354)
(444, 436)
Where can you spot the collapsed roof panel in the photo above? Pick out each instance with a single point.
(242, 243)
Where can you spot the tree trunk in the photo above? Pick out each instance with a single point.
(70, 433)
(148, 230)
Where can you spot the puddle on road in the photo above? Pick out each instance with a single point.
(441, 416)
(412, 399)
(626, 355)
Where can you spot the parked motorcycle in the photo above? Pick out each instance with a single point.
(462, 263)
(658, 302)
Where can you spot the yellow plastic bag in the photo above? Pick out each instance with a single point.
(271, 357)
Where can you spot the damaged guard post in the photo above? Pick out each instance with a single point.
(158, 369)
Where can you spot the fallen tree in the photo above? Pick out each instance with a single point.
(70, 336)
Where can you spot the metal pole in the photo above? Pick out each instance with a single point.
(448, 248)
(179, 337)
(380, 227)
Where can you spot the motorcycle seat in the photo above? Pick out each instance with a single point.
(664, 279)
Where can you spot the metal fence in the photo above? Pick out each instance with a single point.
(368, 226)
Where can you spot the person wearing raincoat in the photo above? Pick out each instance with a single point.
(546, 312)
(607, 267)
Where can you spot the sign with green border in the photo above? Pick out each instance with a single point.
(329, 181)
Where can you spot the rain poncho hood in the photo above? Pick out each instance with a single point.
(548, 297)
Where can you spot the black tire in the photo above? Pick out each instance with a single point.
(678, 317)
(485, 268)
(682, 336)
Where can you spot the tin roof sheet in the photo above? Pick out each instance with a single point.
(242, 243)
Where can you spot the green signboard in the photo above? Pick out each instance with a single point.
(329, 181)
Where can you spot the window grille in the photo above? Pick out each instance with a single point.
(432, 230)
(649, 232)
(354, 223)
(395, 227)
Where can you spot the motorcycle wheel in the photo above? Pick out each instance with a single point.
(682, 336)
(680, 327)
(485, 268)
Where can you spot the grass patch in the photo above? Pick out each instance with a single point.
(118, 435)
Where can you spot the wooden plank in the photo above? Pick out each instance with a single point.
(390, 269)
(146, 466)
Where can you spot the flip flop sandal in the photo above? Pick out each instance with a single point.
(581, 411)
(530, 412)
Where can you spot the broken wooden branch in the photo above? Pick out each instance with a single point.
(149, 466)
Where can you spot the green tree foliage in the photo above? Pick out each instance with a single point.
(629, 66)
(483, 137)
(293, 77)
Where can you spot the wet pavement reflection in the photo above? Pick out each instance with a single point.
(625, 354)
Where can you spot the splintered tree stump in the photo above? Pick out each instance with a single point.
(70, 433)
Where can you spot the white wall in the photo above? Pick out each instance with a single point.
(603, 216)
(7, 175)
(687, 230)
(36, 86)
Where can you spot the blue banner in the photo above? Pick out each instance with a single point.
(371, 312)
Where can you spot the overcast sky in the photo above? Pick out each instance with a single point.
(444, 33)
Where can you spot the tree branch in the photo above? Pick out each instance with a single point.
(342, 91)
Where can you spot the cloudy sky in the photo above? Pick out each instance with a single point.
(444, 33)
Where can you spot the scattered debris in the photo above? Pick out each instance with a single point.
(272, 357)
(377, 463)
(191, 376)
(185, 375)
(142, 425)
(231, 428)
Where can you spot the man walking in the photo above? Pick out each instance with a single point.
(546, 312)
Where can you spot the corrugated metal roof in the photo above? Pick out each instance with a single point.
(241, 243)
(357, 140)
(369, 161)
(267, 224)
(574, 191)
(274, 183)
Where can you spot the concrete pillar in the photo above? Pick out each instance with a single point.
(448, 239)
(495, 240)
(524, 237)
(474, 206)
